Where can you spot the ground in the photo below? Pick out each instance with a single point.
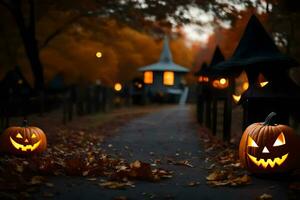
(168, 138)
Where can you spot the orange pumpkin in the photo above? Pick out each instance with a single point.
(23, 140)
(268, 148)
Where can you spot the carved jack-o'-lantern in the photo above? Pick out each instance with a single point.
(262, 80)
(266, 147)
(23, 140)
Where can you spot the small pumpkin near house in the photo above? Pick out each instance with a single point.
(268, 148)
(23, 140)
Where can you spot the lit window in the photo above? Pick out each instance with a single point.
(148, 77)
(203, 79)
(168, 78)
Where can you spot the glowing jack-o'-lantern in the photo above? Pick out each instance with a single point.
(262, 80)
(236, 98)
(23, 140)
(268, 148)
(221, 83)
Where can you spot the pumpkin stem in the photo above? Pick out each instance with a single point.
(269, 119)
(25, 123)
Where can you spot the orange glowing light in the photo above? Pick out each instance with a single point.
(245, 86)
(168, 78)
(148, 77)
(98, 54)
(236, 98)
(262, 80)
(118, 87)
(203, 79)
(221, 83)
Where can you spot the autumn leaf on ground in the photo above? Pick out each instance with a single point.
(37, 180)
(265, 197)
(216, 176)
(222, 178)
(116, 185)
(193, 183)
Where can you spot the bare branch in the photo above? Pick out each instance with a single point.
(62, 28)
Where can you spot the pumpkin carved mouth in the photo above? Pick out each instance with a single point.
(268, 162)
(24, 147)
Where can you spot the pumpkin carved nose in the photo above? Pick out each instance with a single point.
(265, 150)
(26, 140)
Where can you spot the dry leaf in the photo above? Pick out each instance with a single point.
(19, 168)
(265, 197)
(116, 185)
(216, 175)
(35, 180)
(193, 183)
(49, 184)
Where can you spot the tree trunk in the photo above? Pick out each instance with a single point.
(30, 44)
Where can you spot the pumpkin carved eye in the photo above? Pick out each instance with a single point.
(33, 136)
(251, 142)
(279, 141)
(19, 136)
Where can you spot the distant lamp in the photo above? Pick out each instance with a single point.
(118, 87)
(236, 98)
(262, 80)
(168, 78)
(98, 54)
(221, 83)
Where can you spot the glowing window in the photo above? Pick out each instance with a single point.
(148, 77)
(203, 79)
(168, 78)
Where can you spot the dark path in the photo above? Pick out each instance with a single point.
(169, 133)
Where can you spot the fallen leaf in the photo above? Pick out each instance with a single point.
(36, 180)
(116, 185)
(265, 197)
(193, 183)
(19, 168)
(49, 184)
(216, 175)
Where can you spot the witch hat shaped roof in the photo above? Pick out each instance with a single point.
(166, 55)
(256, 49)
(217, 57)
(165, 62)
(203, 68)
(209, 70)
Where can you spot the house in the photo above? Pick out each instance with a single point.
(164, 79)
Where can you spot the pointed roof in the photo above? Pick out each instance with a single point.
(256, 48)
(165, 62)
(166, 55)
(209, 70)
(217, 57)
(203, 68)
